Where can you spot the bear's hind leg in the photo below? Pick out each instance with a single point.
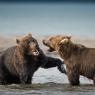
(29, 79)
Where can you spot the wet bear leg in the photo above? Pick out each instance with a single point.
(29, 80)
(2, 79)
(73, 76)
(94, 80)
(23, 78)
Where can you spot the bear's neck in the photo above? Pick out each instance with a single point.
(57, 46)
(66, 51)
(70, 49)
(22, 51)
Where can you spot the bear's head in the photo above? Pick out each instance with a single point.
(67, 48)
(28, 45)
(53, 42)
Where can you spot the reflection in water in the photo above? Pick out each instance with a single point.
(47, 89)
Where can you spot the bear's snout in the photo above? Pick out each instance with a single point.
(36, 53)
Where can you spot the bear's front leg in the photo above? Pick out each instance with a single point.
(54, 62)
(94, 80)
(23, 78)
(73, 76)
(29, 79)
(61, 67)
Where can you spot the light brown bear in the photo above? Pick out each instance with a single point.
(79, 59)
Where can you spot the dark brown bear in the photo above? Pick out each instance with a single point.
(79, 59)
(18, 63)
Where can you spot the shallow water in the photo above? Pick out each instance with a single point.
(53, 75)
(47, 89)
(49, 82)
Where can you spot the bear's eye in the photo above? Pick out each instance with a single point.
(32, 44)
(28, 42)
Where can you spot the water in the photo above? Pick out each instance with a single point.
(48, 19)
(47, 89)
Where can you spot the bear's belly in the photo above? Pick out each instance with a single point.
(87, 74)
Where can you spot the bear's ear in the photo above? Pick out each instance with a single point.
(69, 37)
(30, 35)
(65, 40)
(17, 41)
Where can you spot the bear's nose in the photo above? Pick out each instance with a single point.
(36, 53)
(45, 42)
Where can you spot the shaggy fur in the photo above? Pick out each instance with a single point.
(74, 59)
(79, 60)
(16, 62)
(19, 63)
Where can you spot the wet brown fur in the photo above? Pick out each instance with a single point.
(79, 60)
(19, 63)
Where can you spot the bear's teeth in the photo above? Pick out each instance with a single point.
(36, 53)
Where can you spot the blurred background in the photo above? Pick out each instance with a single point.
(48, 17)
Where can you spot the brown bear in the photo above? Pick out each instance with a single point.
(79, 59)
(53, 41)
(18, 63)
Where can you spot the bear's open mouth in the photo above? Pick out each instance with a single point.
(36, 53)
(47, 44)
(51, 49)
